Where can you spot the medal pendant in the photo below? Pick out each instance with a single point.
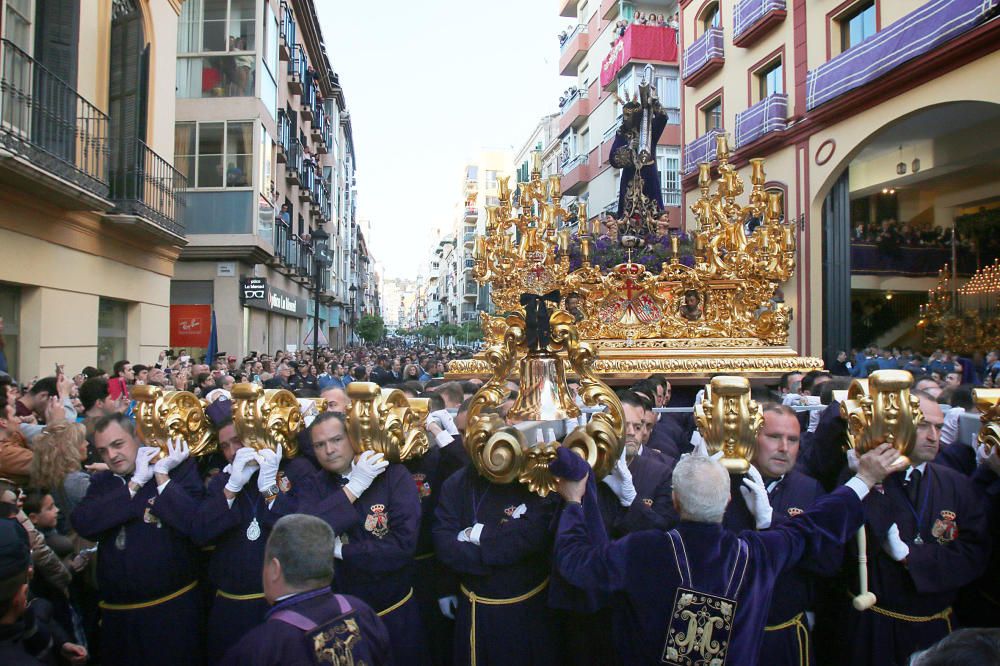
(253, 531)
(918, 541)
(120, 539)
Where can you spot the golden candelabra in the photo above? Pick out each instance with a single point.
(962, 319)
(729, 421)
(720, 315)
(988, 403)
(384, 420)
(163, 415)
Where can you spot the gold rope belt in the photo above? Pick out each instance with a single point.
(383, 613)
(942, 615)
(425, 556)
(239, 597)
(475, 599)
(801, 633)
(148, 604)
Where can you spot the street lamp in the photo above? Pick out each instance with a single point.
(321, 259)
(354, 292)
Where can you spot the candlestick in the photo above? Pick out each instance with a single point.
(674, 245)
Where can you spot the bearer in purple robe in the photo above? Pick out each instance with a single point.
(927, 537)
(307, 622)
(775, 494)
(139, 513)
(240, 508)
(498, 539)
(699, 593)
(374, 509)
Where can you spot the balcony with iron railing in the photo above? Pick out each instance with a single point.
(575, 110)
(574, 50)
(471, 289)
(305, 266)
(470, 264)
(307, 180)
(752, 19)
(640, 45)
(766, 116)
(284, 136)
(293, 163)
(286, 32)
(471, 213)
(297, 69)
(701, 150)
(924, 29)
(146, 186)
(282, 232)
(292, 247)
(704, 57)
(470, 238)
(56, 137)
(576, 174)
(307, 110)
(320, 125)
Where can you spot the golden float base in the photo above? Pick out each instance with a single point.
(622, 361)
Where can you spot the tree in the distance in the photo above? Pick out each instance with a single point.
(371, 328)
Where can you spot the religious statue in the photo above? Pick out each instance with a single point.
(691, 308)
(640, 201)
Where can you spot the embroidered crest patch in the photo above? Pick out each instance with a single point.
(794, 511)
(147, 515)
(945, 530)
(700, 629)
(377, 521)
(423, 485)
(283, 482)
(510, 510)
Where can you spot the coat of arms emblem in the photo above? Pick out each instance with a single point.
(377, 521)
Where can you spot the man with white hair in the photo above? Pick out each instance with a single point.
(697, 593)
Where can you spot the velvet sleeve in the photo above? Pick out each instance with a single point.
(580, 561)
(823, 451)
(511, 541)
(460, 556)
(397, 548)
(214, 517)
(106, 506)
(334, 508)
(938, 568)
(660, 515)
(178, 503)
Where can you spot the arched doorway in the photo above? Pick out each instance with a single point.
(889, 214)
(127, 96)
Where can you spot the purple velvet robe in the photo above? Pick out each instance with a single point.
(935, 570)
(277, 643)
(668, 437)
(794, 590)
(157, 558)
(511, 560)
(380, 531)
(236, 562)
(643, 568)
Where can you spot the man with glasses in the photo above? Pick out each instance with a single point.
(927, 538)
(240, 508)
(374, 509)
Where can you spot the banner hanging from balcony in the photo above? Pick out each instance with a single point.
(190, 325)
(918, 32)
(645, 43)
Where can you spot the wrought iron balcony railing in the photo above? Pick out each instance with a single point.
(49, 123)
(146, 185)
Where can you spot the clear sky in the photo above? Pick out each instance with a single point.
(428, 83)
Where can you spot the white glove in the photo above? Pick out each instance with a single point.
(448, 606)
(364, 471)
(852, 460)
(620, 481)
(268, 461)
(143, 469)
(894, 546)
(338, 548)
(701, 447)
(177, 452)
(243, 466)
(518, 512)
(471, 534)
(755, 495)
(447, 420)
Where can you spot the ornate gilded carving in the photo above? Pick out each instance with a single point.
(383, 420)
(265, 418)
(882, 409)
(162, 415)
(499, 451)
(696, 366)
(729, 421)
(988, 403)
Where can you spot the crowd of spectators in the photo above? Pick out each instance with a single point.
(891, 233)
(640, 18)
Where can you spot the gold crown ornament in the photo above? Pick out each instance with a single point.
(164, 415)
(540, 348)
(645, 306)
(729, 421)
(266, 418)
(988, 403)
(384, 420)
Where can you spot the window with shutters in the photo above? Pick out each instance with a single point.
(668, 163)
(216, 48)
(215, 155)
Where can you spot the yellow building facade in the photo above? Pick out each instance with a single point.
(92, 218)
(867, 111)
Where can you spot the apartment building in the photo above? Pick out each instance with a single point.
(869, 113)
(92, 216)
(264, 138)
(544, 138)
(603, 64)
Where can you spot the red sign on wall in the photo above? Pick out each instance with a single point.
(190, 325)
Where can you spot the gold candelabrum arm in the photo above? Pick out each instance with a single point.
(729, 421)
(164, 415)
(988, 403)
(267, 418)
(881, 409)
(383, 420)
